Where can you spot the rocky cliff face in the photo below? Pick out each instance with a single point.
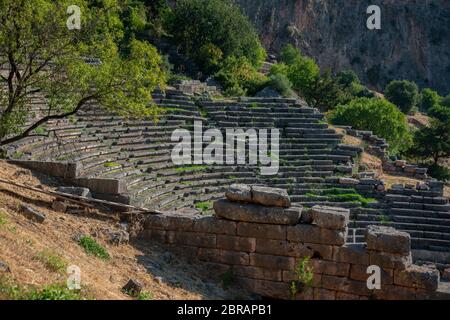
(413, 43)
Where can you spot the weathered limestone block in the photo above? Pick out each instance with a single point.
(389, 260)
(256, 213)
(234, 243)
(393, 292)
(351, 253)
(77, 191)
(346, 296)
(320, 250)
(359, 272)
(223, 256)
(209, 224)
(345, 285)
(330, 218)
(289, 276)
(32, 214)
(169, 222)
(59, 206)
(349, 181)
(387, 239)
(262, 231)
(154, 235)
(264, 288)
(330, 268)
(257, 273)
(283, 248)
(270, 197)
(315, 234)
(272, 262)
(422, 277)
(202, 240)
(239, 192)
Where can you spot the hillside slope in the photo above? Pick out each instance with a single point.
(22, 242)
(411, 45)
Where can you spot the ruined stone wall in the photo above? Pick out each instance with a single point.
(258, 238)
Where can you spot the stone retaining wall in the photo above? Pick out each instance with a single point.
(259, 239)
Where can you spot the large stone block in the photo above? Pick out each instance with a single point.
(248, 212)
(239, 192)
(324, 294)
(393, 292)
(209, 224)
(272, 261)
(389, 260)
(421, 277)
(223, 256)
(264, 288)
(270, 197)
(289, 276)
(330, 217)
(359, 272)
(320, 251)
(351, 253)
(346, 296)
(387, 239)
(154, 235)
(262, 231)
(330, 268)
(315, 234)
(345, 285)
(282, 248)
(257, 273)
(203, 240)
(234, 243)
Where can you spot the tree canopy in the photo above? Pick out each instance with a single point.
(101, 63)
(376, 115)
(404, 94)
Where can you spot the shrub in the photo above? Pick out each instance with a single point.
(439, 172)
(347, 78)
(93, 248)
(404, 94)
(200, 24)
(428, 99)
(376, 115)
(281, 84)
(238, 77)
(446, 101)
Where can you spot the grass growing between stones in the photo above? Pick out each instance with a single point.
(304, 277)
(111, 164)
(204, 206)
(343, 195)
(93, 248)
(145, 295)
(52, 261)
(3, 219)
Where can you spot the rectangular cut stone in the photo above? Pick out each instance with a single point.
(390, 261)
(330, 268)
(264, 288)
(421, 277)
(204, 240)
(359, 272)
(324, 294)
(282, 248)
(257, 273)
(320, 250)
(223, 256)
(154, 235)
(330, 217)
(270, 197)
(345, 285)
(315, 234)
(263, 231)
(248, 212)
(156, 221)
(271, 261)
(387, 239)
(351, 253)
(236, 243)
(239, 192)
(209, 224)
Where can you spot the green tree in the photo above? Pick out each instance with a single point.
(376, 115)
(347, 78)
(432, 141)
(42, 56)
(446, 101)
(404, 94)
(196, 23)
(239, 77)
(428, 99)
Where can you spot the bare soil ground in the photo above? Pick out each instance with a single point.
(21, 240)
